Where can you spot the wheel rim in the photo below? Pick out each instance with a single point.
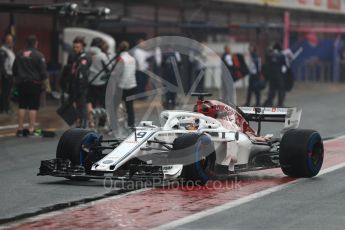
(87, 140)
(203, 158)
(202, 161)
(315, 153)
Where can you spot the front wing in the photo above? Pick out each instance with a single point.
(63, 168)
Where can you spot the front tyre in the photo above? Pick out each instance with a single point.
(301, 153)
(70, 147)
(202, 152)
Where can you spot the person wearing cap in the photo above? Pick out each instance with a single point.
(29, 71)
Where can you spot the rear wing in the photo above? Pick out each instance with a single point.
(290, 116)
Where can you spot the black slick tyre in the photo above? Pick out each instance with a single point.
(301, 153)
(203, 157)
(70, 147)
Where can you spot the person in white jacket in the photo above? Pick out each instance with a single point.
(141, 57)
(125, 74)
(97, 82)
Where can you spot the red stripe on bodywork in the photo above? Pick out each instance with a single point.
(159, 206)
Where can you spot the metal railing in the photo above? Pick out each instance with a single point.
(313, 70)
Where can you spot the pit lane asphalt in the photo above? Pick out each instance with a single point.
(23, 192)
(316, 203)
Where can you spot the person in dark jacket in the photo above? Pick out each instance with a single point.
(171, 65)
(7, 57)
(80, 80)
(65, 78)
(276, 69)
(29, 70)
(254, 67)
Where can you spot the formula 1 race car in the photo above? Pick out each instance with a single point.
(214, 141)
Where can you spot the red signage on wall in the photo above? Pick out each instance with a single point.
(334, 4)
(317, 2)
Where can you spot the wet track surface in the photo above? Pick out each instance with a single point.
(23, 192)
(314, 204)
(155, 207)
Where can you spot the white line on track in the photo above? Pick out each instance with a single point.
(197, 216)
(14, 126)
(335, 139)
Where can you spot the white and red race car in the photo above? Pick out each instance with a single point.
(214, 140)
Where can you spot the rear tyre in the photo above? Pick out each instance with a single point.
(70, 147)
(203, 155)
(301, 153)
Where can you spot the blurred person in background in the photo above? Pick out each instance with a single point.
(80, 80)
(171, 60)
(228, 69)
(7, 57)
(227, 59)
(109, 58)
(155, 64)
(29, 71)
(157, 60)
(97, 86)
(254, 66)
(141, 57)
(275, 71)
(126, 79)
(66, 76)
(105, 49)
(289, 76)
(265, 66)
(197, 60)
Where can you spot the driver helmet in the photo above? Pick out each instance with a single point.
(194, 125)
